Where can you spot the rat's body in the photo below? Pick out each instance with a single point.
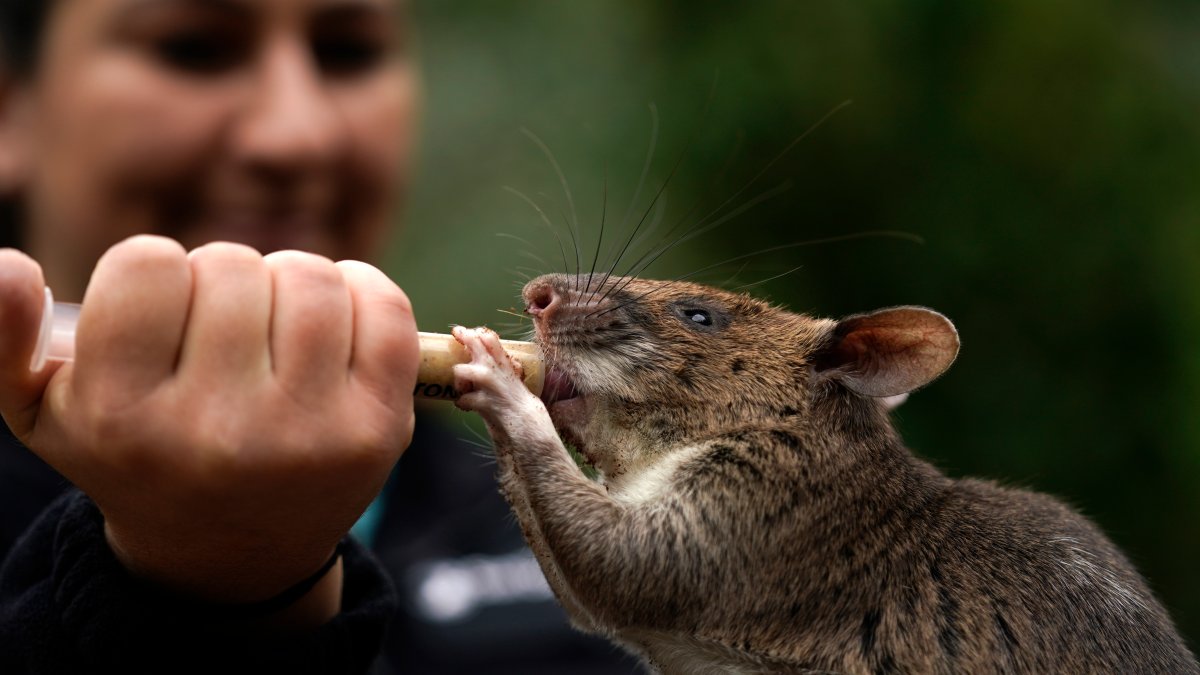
(759, 514)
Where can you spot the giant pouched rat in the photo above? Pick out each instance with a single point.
(757, 512)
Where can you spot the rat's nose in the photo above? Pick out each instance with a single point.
(541, 297)
(539, 300)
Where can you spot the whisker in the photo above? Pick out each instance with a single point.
(574, 243)
(649, 208)
(519, 315)
(894, 234)
(534, 257)
(674, 169)
(545, 220)
(659, 213)
(600, 239)
(734, 276)
(529, 270)
(573, 222)
(510, 331)
(696, 229)
(696, 232)
(641, 179)
(570, 230)
(527, 252)
(477, 440)
(763, 281)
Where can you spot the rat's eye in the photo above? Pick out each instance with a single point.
(696, 316)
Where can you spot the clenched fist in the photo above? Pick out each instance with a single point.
(231, 414)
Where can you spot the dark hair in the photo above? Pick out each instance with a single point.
(21, 24)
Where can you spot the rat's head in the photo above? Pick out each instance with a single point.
(644, 364)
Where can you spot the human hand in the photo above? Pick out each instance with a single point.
(230, 414)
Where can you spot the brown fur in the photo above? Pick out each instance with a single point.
(758, 513)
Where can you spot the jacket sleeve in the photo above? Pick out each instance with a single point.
(68, 606)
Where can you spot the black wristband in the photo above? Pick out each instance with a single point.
(252, 610)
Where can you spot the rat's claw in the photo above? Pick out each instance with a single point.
(484, 346)
(491, 381)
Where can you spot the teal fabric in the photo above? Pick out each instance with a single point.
(368, 523)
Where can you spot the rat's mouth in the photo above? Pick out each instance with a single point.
(568, 407)
(557, 387)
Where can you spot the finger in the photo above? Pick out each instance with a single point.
(470, 338)
(21, 303)
(386, 351)
(470, 376)
(471, 402)
(134, 313)
(228, 328)
(464, 381)
(312, 326)
(491, 342)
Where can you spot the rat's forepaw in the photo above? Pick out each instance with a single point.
(491, 384)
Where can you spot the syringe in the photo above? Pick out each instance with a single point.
(435, 375)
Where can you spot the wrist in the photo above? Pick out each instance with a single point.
(309, 604)
(226, 573)
(307, 598)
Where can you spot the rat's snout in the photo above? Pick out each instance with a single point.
(542, 296)
(568, 302)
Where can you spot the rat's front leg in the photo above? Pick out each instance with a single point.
(491, 384)
(628, 565)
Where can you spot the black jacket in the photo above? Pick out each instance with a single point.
(467, 596)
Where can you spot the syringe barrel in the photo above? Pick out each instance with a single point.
(439, 354)
(56, 338)
(435, 375)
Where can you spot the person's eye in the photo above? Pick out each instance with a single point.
(199, 52)
(350, 55)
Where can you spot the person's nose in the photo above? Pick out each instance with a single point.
(289, 123)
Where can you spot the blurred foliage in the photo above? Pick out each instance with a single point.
(1047, 153)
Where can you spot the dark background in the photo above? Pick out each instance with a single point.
(1048, 154)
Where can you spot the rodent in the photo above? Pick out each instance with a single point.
(758, 513)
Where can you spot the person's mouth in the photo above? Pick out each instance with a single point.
(266, 229)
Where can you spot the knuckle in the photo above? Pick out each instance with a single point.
(144, 253)
(16, 265)
(105, 426)
(396, 302)
(224, 254)
(309, 270)
(375, 287)
(479, 373)
(292, 260)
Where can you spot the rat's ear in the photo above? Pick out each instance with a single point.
(888, 352)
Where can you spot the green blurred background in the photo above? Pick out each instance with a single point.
(1048, 153)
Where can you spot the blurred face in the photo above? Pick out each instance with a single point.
(276, 123)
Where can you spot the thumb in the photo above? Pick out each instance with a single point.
(22, 297)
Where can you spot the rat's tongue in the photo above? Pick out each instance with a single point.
(558, 387)
(568, 408)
